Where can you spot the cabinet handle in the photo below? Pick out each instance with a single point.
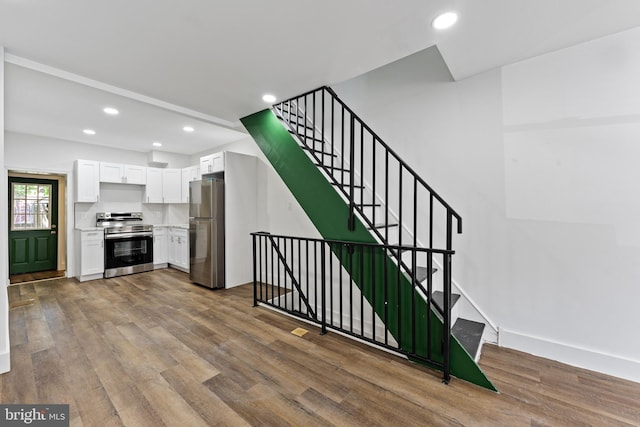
(102, 243)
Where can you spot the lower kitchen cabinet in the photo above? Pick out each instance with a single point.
(179, 248)
(91, 261)
(160, 247)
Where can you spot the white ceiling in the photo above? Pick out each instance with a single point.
(45, 105)
(218, 57)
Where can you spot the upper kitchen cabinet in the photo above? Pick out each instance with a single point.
(163, 186)
(123, 174)
(172, 186)
(212, 163)
(153, 190)
(87, 174)
(189, 174)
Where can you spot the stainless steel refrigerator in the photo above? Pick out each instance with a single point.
(206, 232)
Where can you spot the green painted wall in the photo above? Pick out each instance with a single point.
(329, 214)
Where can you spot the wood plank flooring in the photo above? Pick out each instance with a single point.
(153, 349)
(39, 275)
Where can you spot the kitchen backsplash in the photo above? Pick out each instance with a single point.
(128, 198)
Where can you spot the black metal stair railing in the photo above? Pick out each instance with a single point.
(369, 174)
(316, 280)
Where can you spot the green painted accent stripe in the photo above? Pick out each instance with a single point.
(329, 213)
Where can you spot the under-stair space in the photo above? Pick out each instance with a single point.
(356, 189)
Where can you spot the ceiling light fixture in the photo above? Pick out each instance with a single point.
(89, 131)
(157, 144)
(111, 111)
(268, 98)
(188, 129)
(444, 20)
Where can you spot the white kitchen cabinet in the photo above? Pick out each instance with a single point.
(160, 247)
(91, 255)
(189, 174)
(171, 185)
(153, 189)
(163, 186)
(87, 180)
(212, 163)
(135, 174)
(179, 248)
(122, 174)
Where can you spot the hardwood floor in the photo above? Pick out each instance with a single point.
(33, 277)
(153, 349)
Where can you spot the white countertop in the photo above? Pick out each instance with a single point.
(185, 226)
(90, 228)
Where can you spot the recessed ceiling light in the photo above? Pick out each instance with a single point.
(444, 20)
(157, 144)
(188, 129)
(268, 98)
(89, 131)
(111, 111)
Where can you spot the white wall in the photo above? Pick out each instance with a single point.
(278, 211)
(5, 361)
(540, 159)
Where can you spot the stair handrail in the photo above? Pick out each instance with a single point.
(376, 137)
(302, 111)
(258, 237)
(397, 157)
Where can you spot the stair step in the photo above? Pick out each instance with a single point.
(382, 225)
(438, 299)
(285, 115)
(305, 138)
(335, 168)
(422, 273)
(347, 185)
(318, 151)
(469, 333)
(301, 125)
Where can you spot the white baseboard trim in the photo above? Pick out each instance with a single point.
(621, 367)
(5, 362)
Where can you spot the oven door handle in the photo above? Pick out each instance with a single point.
(127, 235)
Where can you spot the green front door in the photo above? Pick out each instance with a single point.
(33, 225)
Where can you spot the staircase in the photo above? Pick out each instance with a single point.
(355, 188)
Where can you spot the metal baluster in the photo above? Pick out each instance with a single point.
(413, 300)
(447, 305)
(431, 220)
(323, 296)
(362, 289)
(351, 222)
(255, 276)
(299, 274)
(386, 195)
(430, 295)
(322, 129)
(361, 166)
(331, 250)
(373, 291)
(313, 121)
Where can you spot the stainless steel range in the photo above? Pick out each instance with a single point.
(128, 243)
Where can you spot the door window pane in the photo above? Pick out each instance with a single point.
(30, 206)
